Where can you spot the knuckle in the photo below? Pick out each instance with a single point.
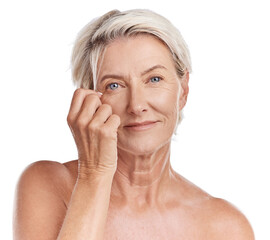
(81, 123)
(104, 132)
(93, 98)
(69, 120)
(93, 127)
(82, 91)
(107, 107)
(115, 120)
(79, 91)
(90, 96)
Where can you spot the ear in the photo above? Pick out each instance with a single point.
(185, 89)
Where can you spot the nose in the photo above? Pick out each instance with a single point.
(137, 103)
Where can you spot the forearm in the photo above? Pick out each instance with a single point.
(87, 211)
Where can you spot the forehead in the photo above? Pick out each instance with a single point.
(135, 54)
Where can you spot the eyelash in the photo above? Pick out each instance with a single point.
(108, 85)
(155, 77)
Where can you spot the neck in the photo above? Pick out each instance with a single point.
(141, 180)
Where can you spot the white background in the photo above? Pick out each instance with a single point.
(223, 142)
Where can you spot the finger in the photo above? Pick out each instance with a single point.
(90, 105)
(77, 101)
(113, 122)
(102, 114)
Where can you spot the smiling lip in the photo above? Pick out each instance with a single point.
(139, 126)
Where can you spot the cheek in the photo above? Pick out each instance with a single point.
(166, 102)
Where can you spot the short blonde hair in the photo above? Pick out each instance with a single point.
(96, 35)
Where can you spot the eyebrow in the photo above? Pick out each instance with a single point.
(152, 68)
(115, 76)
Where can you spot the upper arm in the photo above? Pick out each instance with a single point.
(229, 223)
(39, 208)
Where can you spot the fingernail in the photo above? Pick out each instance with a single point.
(100, 93)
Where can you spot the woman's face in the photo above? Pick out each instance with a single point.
(138, 79)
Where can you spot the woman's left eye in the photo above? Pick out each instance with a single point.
(155, 79)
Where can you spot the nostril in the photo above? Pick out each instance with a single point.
(137, 109)
(137, 103)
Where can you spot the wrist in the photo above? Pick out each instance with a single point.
(93, 175)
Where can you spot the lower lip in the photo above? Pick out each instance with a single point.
(141, 127)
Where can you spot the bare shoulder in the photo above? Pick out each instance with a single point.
(51, 176)
(44, 173)
(41, 199)
(215, 218)
(226, 221)
(44, 167)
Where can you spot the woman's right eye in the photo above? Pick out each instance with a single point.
(112, 86)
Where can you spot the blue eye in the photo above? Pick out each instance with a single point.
(155, 79)
(113, 86)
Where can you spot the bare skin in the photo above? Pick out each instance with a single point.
(122, 186)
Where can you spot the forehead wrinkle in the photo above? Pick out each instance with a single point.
(153, 60)
(153, 68)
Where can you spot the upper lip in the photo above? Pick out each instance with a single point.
(139, 123)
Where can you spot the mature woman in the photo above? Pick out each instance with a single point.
(133, 70)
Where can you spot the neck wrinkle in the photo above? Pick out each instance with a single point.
(142, 178)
